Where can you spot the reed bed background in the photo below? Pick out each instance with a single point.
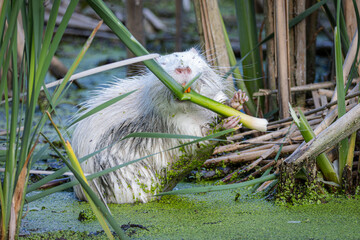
(275, 84)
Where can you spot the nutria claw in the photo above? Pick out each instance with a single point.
(238, 100)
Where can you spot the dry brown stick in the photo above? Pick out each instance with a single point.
(273, 126)
(264, 185)
(262, 169)
(304, 88)
(326, 92)
(299, 34)
(282, 55)
(350, 56)
(238, 145)
(337, 131)
(274, 149)
(352, 94)
(245, 157)
(54, 183)
(330, 117)
(256, 148)
(257, 140)
(271, 151)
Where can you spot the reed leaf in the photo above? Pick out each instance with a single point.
(20, 144)
(126, 37)
(91, 195)
(188, 85)
(220, 188)
(73, 67)
(106, 171)
(10, 29)
(59, 92)
(343, 145)
(308, 134)
(61, 171)
(344, 37)
(100, 107)
(50, 27)
(11, 160)
(120, 30)
(2, 19)
(353, 72)
(350, 155)
(292, 23)
(236, 71)
(76, 168)
(252, 69)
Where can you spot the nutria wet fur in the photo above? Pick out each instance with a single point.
(152, 108)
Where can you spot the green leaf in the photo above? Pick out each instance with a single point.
(106, 171)
(191, 82)
(343, 145)
(308, 134)
(100, 107)
(221, 187)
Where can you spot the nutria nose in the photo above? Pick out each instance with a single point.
(184, 70)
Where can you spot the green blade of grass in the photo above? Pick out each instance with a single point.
(106, 171)
(4, 8)
(100, 107)
(308, 134)
(220, 188)
(353, 72)
(50, 26)
(9, 32)
(57, 96)
(10, 176)
(252, 69)
(119, 29)
(236, 72)
(333, 22)
(292, 23)
(75, 65)
(343, 145)
(350, 155)
(191, 82)
(93, 200)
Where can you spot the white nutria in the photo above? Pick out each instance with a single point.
(152, 108)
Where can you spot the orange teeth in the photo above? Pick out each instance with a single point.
(186, 90)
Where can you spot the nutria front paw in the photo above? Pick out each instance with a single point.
(231, 122)
(238, 100)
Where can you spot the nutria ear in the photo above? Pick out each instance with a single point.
(193, 50)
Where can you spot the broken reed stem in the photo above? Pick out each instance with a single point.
(273, 126)
(261, 170)
(352, 94)
(263, 139)
(304, 88)
(246, 157)
(271, 151)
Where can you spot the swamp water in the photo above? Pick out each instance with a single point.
(213, 215)
(199, 216)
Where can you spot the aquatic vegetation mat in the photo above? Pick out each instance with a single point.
(214, 215)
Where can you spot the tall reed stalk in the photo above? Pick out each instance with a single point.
(27, 77)
(252, 64)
